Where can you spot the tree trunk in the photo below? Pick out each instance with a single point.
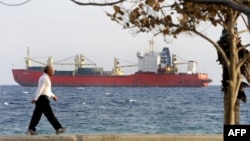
(237, 112)
(231, 103)
(228, 109)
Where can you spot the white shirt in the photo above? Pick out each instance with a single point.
(44, 87)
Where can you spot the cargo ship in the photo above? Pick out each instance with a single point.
(155, 69)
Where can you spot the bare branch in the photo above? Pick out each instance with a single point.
(247, 45)
(98, 4)
(243, 31)
(243, 60)
(17, 4)
(245, 22)
(229, 3)
(218, 48)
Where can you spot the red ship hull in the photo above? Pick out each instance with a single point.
(30, 78)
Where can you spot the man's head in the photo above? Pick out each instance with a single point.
(49, 70)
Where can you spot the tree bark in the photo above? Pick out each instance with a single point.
(228, 109)
(237, 112)
(231, 103)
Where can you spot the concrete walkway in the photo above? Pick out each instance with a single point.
(114, 137)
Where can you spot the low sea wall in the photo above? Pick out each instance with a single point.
(113, 137)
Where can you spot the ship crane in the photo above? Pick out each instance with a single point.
(191, 69)
(180, 63)
(117, 69)
(127, 66)
(28, 60)
(79, 61)
(174, 69)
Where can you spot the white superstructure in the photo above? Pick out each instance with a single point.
(148, 61)
(162, 62)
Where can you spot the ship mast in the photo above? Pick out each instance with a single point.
(151, 46)
(27, 59)
(50, 61)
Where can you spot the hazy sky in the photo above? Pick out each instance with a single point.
(62, 29)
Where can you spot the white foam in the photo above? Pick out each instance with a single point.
(132, 100)
(24, 92)
(80, 88)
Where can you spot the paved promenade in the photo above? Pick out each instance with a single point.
(114, 137)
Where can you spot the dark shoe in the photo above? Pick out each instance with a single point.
(60, 130)
(31, 132)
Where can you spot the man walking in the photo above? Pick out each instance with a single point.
(42, 102)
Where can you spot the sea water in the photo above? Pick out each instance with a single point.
(119, 110)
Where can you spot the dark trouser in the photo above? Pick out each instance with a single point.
(43, 107)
